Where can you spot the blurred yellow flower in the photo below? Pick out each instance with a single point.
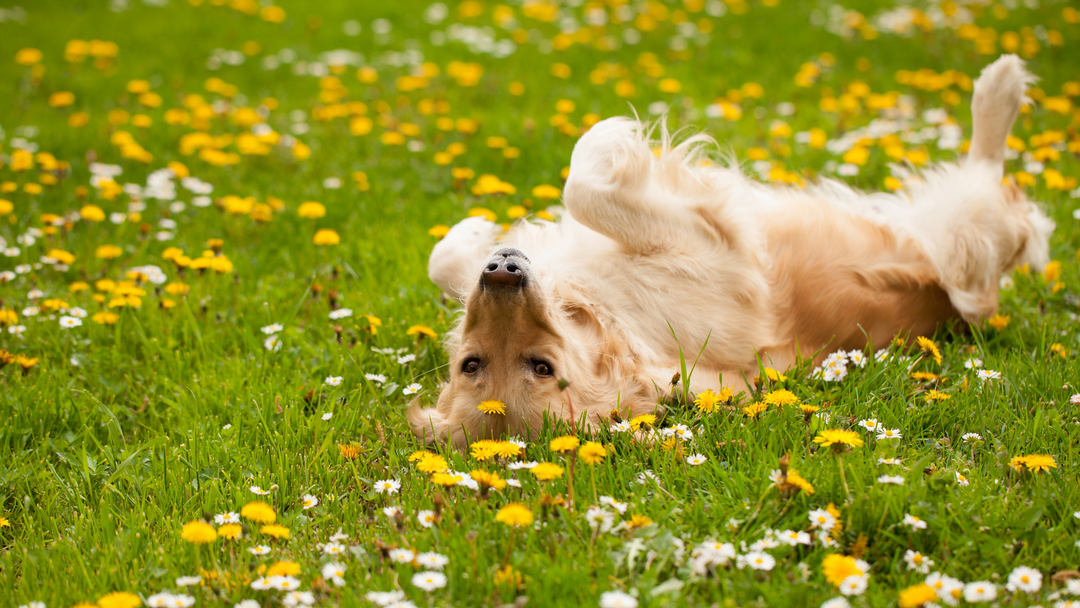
(258, 512)
(325, 236)
(592, 452)
(198, 532)
(515, 515)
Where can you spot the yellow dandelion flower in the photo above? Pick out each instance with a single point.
(592, 452)
(1017, 463)
(838, 438)
(275, 530)
(445, 479)
(230, 531)
(755, 409)
(545, 191)
(933, 395)
(198, 532)
(927, 345)
(487, 480)
(432, 463)
(119, 599)
(92, 213)
(283, 568)
(781, 397)
(325, 236)
(492, 407)
(838, 567)
(515, 515)
(311, 210)
(350, 450)
(1037, 463)
(421, 331)
(998, 322)
(916, 595)
(644, 419)
(707, 401)
(794, 481)
(546, 471)
(566, 443)
(258, 511)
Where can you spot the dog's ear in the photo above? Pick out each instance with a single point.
(430, 425)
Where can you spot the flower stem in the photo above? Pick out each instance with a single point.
(843, 477)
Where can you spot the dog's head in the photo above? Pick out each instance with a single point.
(537, 353)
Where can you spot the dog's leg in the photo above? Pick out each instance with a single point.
(456, 260)
(618, 188)
(999, 93)
(972, 227)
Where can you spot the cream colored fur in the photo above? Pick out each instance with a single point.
(657, 253)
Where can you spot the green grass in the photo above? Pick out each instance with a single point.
(123, 433)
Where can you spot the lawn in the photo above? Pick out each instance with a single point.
(215, 217)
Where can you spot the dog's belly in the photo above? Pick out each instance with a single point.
(844, 281)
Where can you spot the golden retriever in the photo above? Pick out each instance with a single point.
(659, 256)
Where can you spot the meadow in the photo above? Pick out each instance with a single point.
(215, 217)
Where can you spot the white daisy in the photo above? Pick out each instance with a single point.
(67, 322)
(918, 562)
(915, 523)
(335, 573)
(309, 501)
(695, 459)
(387, 486)
(1023, 578)
(402, 556)
(227, 518)
(854, 584)
(617, 599)
(820, 518)
(340, 313)
(426, 518)
(412, 389)
(333, 380)
(980, 591)
(429, 581)
(432, 560)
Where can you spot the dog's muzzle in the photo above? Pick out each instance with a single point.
(507, 269)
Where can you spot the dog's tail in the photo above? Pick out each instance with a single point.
(999, 93)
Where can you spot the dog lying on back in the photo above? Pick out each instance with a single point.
(658, 254)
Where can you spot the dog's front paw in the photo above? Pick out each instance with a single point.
(613, 151)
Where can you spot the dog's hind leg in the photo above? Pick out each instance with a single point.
(999, 93)
(972, 227)
(457, 260)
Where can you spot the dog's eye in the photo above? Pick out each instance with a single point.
(471, 365)
(542, 368)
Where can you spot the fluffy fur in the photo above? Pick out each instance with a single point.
(659, 252)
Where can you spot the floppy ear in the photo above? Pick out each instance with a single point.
(428, 424)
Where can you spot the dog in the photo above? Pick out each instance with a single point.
(661, 258)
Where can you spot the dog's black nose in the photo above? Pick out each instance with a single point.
(507, 268)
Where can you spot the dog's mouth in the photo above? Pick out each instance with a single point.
(506, 272)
